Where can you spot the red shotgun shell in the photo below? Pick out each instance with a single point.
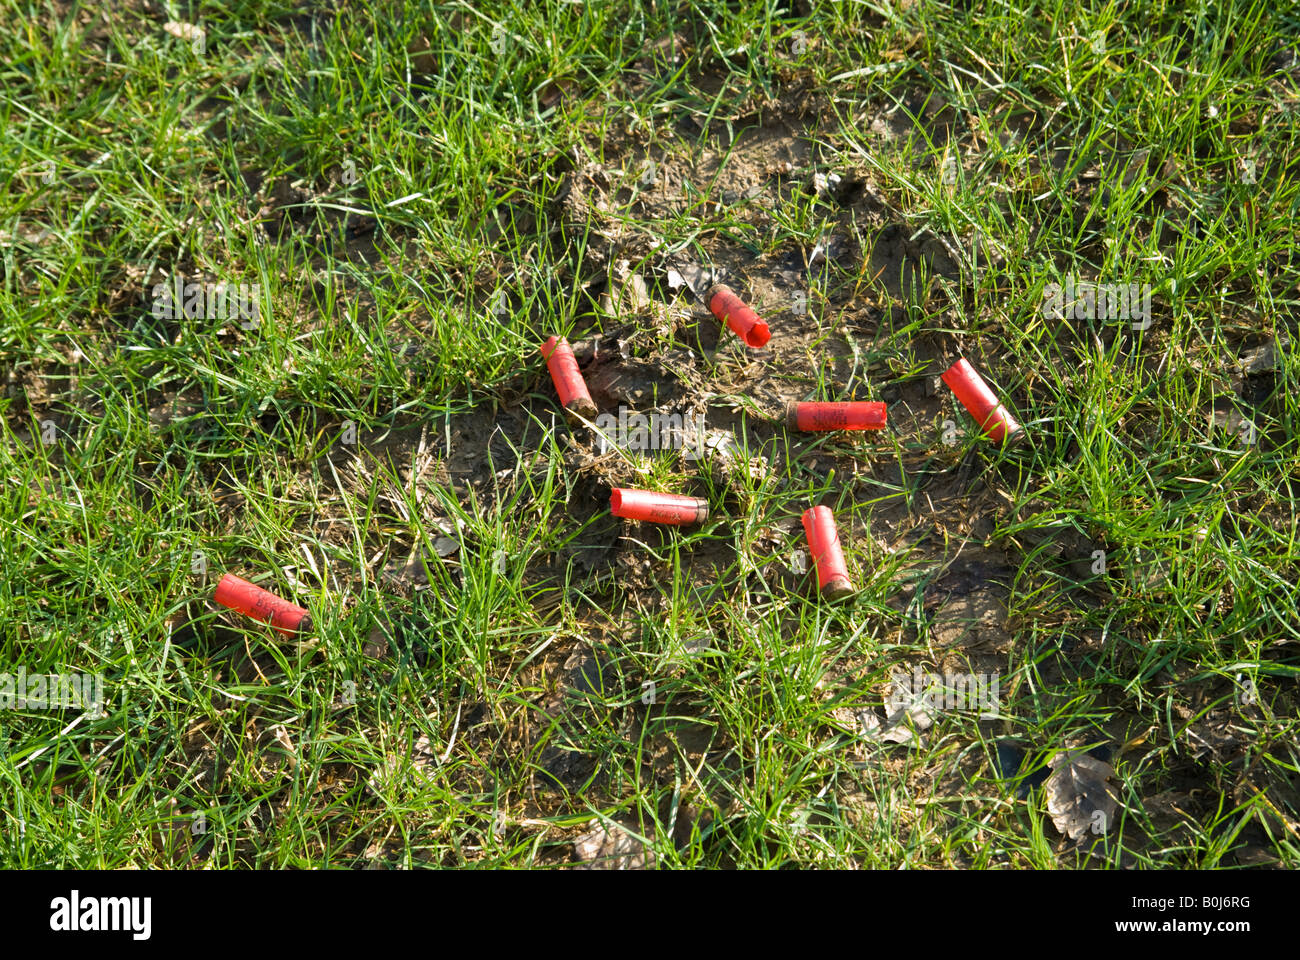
(249, 599)
(868, 415)
(657, 507)
(975, 395)
(568, 378)
(832, 574)
(730, 309)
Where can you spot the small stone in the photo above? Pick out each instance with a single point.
(611, 847)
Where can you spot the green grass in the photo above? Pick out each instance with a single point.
(390, 176)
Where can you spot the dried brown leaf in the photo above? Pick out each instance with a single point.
(1080, 795)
